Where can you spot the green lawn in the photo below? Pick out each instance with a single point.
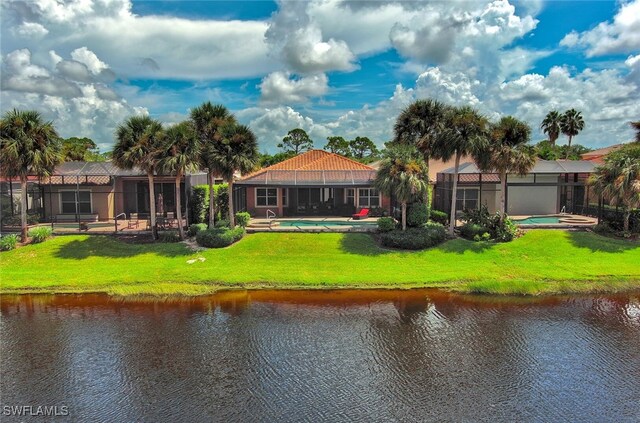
(542, 261)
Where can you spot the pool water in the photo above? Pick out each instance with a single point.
(538, 220)
(320, 223)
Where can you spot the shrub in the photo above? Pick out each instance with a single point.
(417, 215)
(194, 228)
(439, 216)
(219, 237)
(8, 242)
(40, 234)
(169, 236)
(414, 238)
(603, 228)
(471, 230)
(199, 202)
(222, 223)
(507, 231)
(386, 224)
(242, 219)
(378, 212)
(15, 220)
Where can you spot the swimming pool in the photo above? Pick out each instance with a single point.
(538, 220)
(320, 223)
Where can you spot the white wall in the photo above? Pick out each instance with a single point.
(530, 200)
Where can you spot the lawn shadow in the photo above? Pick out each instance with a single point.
(104, 246)
(362, 244)
(599, 243)
(461, 246)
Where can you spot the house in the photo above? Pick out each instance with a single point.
(314, 183)
(93, 192)
(598, 156)
(552, 186)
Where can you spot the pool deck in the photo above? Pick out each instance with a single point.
(263, 225)
(570, 221)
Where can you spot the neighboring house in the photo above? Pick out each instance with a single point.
(552, 186)
(597, 156)
(315, 183)
(95, 191)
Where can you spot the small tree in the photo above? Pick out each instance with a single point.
(402, 175)
(338, 145)
(296, 141)
(139, 144)
(571, 124)
(181, 151)
(506, 151)
(362, 147)
(552, 125)
(618, 179)
(28, 146)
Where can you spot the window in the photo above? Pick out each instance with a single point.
(467, 199)
(368, 197)
(350, 196)
(285, 197)
(68, 202)
(266, 197)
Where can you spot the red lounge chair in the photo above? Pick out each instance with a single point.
(361, 214)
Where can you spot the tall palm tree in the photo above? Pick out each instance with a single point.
(618, 179)
(551, 125)
(208, 119)
(636, 127)
(181, 154)
(28, 146)
(139, 144)
(506, 151)
(571, 124)
(419, 124)
(463, 134)
(403, 175)
(235, 151)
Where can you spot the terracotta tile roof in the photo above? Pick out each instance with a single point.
(313, 167)
(597, 156)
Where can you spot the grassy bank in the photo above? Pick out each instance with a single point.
(542, 261)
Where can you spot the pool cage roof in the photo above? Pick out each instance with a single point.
(310, 178)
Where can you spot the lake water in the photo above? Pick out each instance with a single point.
(332, 356)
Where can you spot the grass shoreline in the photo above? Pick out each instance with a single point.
(541, 262)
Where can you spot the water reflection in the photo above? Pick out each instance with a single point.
(324, 356)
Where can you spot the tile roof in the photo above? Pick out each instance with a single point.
(318, 160)
(541, 166)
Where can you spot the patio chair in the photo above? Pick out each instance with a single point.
(361, 214)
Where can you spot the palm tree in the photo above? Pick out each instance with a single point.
(181, 154)
(506, 151)
(28, 146)
(571, 124)
(235, 151)
(139, 144)
(207, 119)
(618, 179)
(551, 125)
(636, 127)
(403, 175)
(464, 133)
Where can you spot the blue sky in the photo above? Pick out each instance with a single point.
(329, 66)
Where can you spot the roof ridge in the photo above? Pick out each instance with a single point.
(343, 157)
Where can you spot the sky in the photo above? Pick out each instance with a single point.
(331, 67)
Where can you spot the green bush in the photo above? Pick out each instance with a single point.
(417, 215)
(194, 228)
(504, 231)
(471, 230)
(603, 228)
(8, 242)
(440, 217)
(168, 236)
(222, 223)
(219, 237)
(378, 212)
(386, 224)
(199, 202)
(242, 219)
(40, 234)
(507, 231)
(414, 238)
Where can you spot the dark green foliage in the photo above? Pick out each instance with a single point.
(219, 237)
(439, 217)
(547, 151)
(338, 145)
(14, 220)
(194, 228)
(386, 224)
(199, 203)
(266, 159)
(414, 238)
(169, 236)
(222, 223)
(242, 219)
(417, 215)
(80, 149)
(296, 141)
(8, 242)
(362, 147)
(378, 212)
(472, 230)
(40, 234)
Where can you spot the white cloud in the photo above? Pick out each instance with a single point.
(89, 59)
(620, 36)
(30, 30)
(280, 87)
